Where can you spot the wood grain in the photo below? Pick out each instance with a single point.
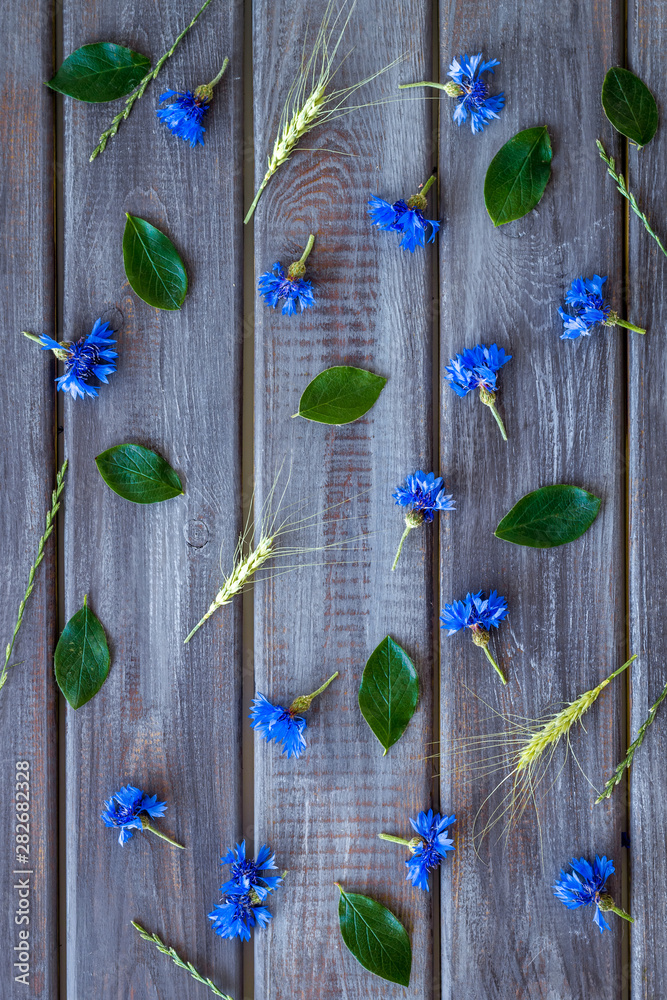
(168, 716)
(322, 813)
(28, 716)
(503, 933)
(647, 274)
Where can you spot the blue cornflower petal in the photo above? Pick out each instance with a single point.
(274, 722)
(424, 493)
(382, 213)
(475, 99)
(248, 873)
(400, 218)
(590, 309)
(433, 829)
(476, 368)
(584, 885)
(123, 810)
(474, 613)
(276, 285)
(91, 355)
(184, 115)
(234, 916)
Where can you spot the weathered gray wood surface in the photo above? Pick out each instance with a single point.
(28, 719)
(168, 717)
(647, 274)
(323, 812)
(503, 934)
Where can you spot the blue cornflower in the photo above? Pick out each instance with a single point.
(404, 217)
(590, 309)
(233, 916)
(284, 725)
(276, 285)
(428, 849)
(82, 358)
(184, 115)
(472, 93)
(124, 811)
(186, 111)
(423, 495)
(479, 615)
(586, 884)
(476, 368)
(247, 874)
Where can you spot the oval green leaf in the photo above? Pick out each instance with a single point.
(138, 474)
(629, 105)
(389, 692)
(549, 516)
(81, 660)
(100, 72)
(153, 266)
(339, 395)
(518, 175)
(377, 939)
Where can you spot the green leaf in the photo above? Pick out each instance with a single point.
(152, 265)
(389, 692)
(629, 105)
(550, 516)
(339, 395)
(518, 175)
(100, 72)
(138, 474)
(377, 939)
(81, 659)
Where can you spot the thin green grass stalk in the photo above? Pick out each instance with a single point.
(139, 91)
(177, 960)
(50, 521)
(630, 198)
(634, 746)
(308, 104)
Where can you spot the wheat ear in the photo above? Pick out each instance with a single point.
(243, 571)
(560, 724)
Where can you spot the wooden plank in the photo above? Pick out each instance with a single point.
(647, 273)
(503, 933)
(322, 812)
(168, 717)
(28, 719)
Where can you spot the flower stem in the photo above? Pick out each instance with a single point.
(622, 913)
(627, 760)
(50, 521)
(177, 960)
(615, 320)
(494, 664)
(394, 840)
(408, 529)
(31, 336)
(498, 420)
(629, 197)
(220, 75)
(158, 833)
(139, 92)
(422, 83)
(324, 687)
(309, 246)
(427, 186)
(489, 399)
